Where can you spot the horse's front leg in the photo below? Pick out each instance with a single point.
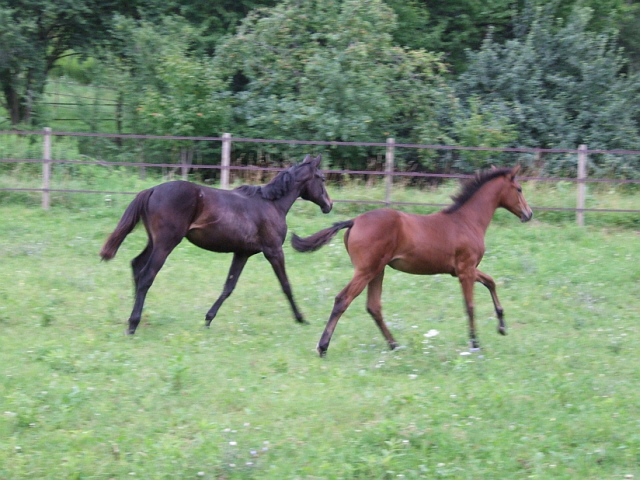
(467, 279)
(237, 265)
(275, 256)
(488, 282)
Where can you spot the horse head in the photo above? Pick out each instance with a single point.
(512, 198)
(313, 188)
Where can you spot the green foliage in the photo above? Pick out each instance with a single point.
(82, 70)
(34, 35)
(16, 50)
(559, 85)
(214, 19)
(458, 25)
(549, 73)
(179, 93)
(327, 71)
(468, 125)
(163, 88)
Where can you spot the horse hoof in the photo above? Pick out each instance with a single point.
(128, 333)
(321, 352)
(502, 330)
(474, 349)
(393, 346)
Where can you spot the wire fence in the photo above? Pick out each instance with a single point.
(389, 173)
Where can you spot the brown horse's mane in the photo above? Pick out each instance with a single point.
(275, 189)
(473, 185)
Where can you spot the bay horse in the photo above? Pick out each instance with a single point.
(244, 221)
(450, 241)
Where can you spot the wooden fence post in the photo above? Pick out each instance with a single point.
(183, 163)
(388, 168)
(46, 167)
(226, 160)
(186, 159)
(582, 174)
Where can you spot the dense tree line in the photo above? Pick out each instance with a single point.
(526, 73)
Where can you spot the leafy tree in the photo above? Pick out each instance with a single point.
(168, 88)
(188, 102)
(559, 84)
(466, 124)
(328, 71)
(178, 93)
(629, 25)
(34, 34)
(214, 19)
(454, 26)
(458, 25)
(14, 47)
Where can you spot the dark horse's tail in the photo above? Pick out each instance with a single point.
(130, 219)
(319, 239)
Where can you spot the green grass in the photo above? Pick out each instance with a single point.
(249, 398)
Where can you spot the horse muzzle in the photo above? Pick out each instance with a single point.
(526, 216)
(326, 208)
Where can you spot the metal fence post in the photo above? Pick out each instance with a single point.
(582, 174)
(46, 167)
(388, 168)
(226, 160)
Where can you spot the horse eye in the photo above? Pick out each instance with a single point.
(519, 189)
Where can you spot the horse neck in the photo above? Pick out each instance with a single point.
(479, 209)
(285, 202)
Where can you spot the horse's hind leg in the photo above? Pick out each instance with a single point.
(146, 275)
(237, 264)
(488, 282)
(342, 302)
(138, 263)
(374, 307)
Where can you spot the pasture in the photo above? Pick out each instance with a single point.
(249, 397)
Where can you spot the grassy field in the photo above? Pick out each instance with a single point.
(249, 398)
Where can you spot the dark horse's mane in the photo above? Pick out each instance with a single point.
(275, 189)
(473, 185)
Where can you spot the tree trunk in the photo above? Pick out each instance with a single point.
(17, 104)
(13, 104)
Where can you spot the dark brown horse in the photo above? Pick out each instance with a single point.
(244, 221)
(450, 241)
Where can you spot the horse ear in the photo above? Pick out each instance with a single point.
(307, 159)
(515, 171)
(316, 161)
(493, 167)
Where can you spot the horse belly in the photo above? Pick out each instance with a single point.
(231, 239)
(420, 265)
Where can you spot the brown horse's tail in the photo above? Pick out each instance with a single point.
(319, 239)
(129, 220)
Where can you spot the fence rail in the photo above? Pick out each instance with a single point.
(389, 172)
